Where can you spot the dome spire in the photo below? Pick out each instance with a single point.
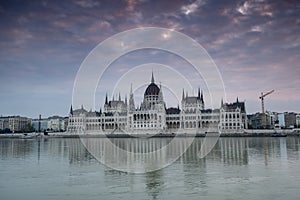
(152, 77)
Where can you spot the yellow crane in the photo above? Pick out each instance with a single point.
(263, 116)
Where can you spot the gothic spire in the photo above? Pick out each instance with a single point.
(237, 99)
(198, 93)
(106, 101)
(119, 96)
(71, 110)
(131, 105)
(182, 94)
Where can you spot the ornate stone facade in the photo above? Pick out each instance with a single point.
(153, 116)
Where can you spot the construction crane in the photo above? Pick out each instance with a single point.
(263, 116)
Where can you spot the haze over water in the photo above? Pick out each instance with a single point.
(237, 168)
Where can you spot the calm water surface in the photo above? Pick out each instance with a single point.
(237, 168)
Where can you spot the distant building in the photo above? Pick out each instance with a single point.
(255, 120)
(298, 120)
(56, 123)
(43, 123)
(4, 123)
(153, 116)
(281, 120)
(15, 123)
(66, 119)
(290, 119)
(271, 119)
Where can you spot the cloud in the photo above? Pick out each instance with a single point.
(131, 5)
(87, 3)
(244, 9)
(193, 7)
(255, 43)
(256, 29)
(99, 25)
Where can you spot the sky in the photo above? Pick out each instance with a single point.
(254, 43)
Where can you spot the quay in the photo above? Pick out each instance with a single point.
(245, 133)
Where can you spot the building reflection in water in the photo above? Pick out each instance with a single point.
(232, 151)
(154, 183)
(140, 155)
(16, 148)
(137, 155)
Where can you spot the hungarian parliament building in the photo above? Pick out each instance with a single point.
(120, 116)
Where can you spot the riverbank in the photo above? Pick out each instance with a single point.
(245, 133)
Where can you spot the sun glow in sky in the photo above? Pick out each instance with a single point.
(254, 43)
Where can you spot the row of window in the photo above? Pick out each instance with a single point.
(145, 126)
(229, 115)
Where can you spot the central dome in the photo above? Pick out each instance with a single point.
(152, 89)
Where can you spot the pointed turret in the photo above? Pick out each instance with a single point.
(106, 101)
(119, 96)
(182, 94)
(126, 99)
(100, 111)
(222, 103)
(82, 107)
(198, 93)
(201, 96)
(237, 99)
(71, 110)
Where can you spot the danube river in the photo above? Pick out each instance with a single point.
(236, 168)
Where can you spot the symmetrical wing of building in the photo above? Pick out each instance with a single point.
(153, 117)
